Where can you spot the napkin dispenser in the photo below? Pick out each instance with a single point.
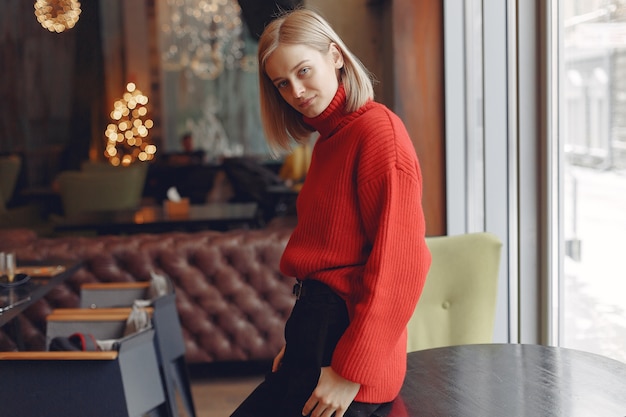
(175, 207)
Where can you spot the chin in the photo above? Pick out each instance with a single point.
(312, 115)
(314, 111)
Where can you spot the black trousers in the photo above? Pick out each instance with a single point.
(317, 321)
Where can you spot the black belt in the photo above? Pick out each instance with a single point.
(310, 287)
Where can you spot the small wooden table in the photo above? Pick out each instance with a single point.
(511, 380)
(154, 219)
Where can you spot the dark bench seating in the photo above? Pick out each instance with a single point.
(231, 299)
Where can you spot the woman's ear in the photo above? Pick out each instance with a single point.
(336, 55)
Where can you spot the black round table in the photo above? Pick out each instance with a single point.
(511, 380)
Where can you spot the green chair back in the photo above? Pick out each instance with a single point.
(100, 190)
(91, 166)
(458, 302)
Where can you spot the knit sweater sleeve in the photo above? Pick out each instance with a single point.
(389, 198)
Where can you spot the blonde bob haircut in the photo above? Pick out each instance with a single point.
(281, 122)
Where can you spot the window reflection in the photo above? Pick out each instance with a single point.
(593, 138)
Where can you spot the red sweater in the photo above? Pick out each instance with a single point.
(361, 230)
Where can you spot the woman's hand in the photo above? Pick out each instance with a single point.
(333, 394)
(278, 360)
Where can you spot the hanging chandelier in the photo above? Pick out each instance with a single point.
(57, 15)
(127, 136)
(203, 37)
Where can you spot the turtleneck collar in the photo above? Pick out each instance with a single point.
(330, 119)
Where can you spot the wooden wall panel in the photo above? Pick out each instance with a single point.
(417, 38)
(401, 42)
(360, 25)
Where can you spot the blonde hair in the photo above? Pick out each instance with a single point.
(281, 122)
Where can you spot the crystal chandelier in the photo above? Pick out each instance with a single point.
(57, 15)
(127, 137)
(203, 36)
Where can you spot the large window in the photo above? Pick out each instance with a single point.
(590, 73)
(536, 147)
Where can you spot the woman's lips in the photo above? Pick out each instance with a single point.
(306, 103)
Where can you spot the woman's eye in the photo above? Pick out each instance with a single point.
(281, 84)
(305, 71)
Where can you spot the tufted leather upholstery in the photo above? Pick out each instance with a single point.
(231, 298)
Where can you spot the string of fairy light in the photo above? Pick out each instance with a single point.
(127, 136)
(57, 15)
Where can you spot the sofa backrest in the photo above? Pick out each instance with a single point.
(233, 300)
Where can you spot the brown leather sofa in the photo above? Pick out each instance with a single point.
(231, 298)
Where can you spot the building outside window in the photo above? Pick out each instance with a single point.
(591, 110)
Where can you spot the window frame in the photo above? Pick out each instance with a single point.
(519, 170)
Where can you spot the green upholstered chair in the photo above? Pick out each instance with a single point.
(25, 216)
(458, 303)
(100, 190)
(91, 166)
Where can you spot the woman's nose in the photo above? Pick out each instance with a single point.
(298, 90)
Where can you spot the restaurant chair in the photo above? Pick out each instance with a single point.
(122, 382)
(92, 166)
(89, 191)
(458, 302)
(107, 298)
(106, 325)
(251, 181)
(97, 295)
(22, 216)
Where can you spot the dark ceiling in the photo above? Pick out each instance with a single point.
(257, 13)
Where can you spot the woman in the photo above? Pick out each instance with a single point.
(358, 250)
